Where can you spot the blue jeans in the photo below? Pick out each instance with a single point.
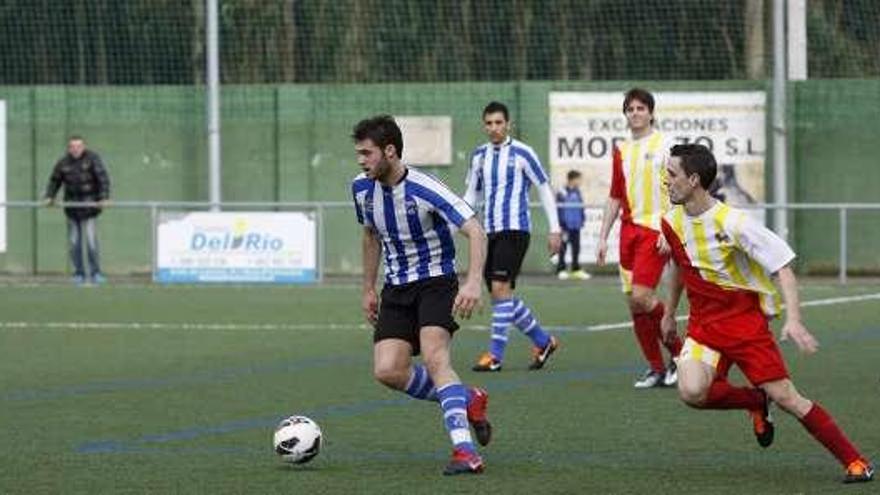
(75, 230)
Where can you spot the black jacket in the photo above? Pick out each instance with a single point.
(84, 179)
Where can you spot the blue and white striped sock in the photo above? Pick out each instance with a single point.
(528, 324)
(502, 317)
(453, 403)
(420, 385)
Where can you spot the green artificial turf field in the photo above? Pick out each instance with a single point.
(146, 389)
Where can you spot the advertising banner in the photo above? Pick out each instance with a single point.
(239, 247)
(584, 127)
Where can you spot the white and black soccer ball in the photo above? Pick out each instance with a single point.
(297, 439)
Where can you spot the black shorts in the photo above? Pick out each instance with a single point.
(505, 255)
(407, 308)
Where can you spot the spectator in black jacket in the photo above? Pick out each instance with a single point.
(85, 179)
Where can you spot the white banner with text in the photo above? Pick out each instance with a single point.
(236, 247)
(585, 126)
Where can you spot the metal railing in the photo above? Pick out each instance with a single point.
(319, 207)
(843, 209)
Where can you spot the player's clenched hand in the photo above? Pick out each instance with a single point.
(669, 327)
(796, 331)
(467, 300)
(601, 250)
(370, 306)
(554, 242)
(662, 245)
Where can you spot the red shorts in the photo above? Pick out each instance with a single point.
(744, 340)
(640, 262)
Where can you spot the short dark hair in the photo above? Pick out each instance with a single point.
(75, 137)
(697, 159)
(495, 107)
(572, 175)
(643, 95)
(381, 130)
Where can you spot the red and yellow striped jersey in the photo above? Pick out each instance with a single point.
(638, 179)
(726, 258)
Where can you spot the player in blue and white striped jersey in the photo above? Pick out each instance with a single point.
(416, 219)
(500, 176)
(411, 216)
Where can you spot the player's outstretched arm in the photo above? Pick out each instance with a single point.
(609, 216)
(372, 249)
(675, 286)
(793, 328)
(468, 297)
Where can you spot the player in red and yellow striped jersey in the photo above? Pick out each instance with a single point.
(638, 196)
(726, 260)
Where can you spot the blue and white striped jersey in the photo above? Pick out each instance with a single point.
(415, 220)
(503, 175)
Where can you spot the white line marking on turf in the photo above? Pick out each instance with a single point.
(72, 325)
(841, 300)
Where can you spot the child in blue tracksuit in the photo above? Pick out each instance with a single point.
(571, 220)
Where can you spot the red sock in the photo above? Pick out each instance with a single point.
(674, 347)
(647, 329)
(823, 428)
(723, 395)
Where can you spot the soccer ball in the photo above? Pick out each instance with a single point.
(297, 439)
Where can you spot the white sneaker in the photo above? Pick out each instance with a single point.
(649, 379)
(670, 378)
(580, 275)
(563, 275)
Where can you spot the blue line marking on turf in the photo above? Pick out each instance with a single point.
(333, 411)
(615, 458)
(199, 377)
(150, 443)
(144, 443)
(580, 458)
